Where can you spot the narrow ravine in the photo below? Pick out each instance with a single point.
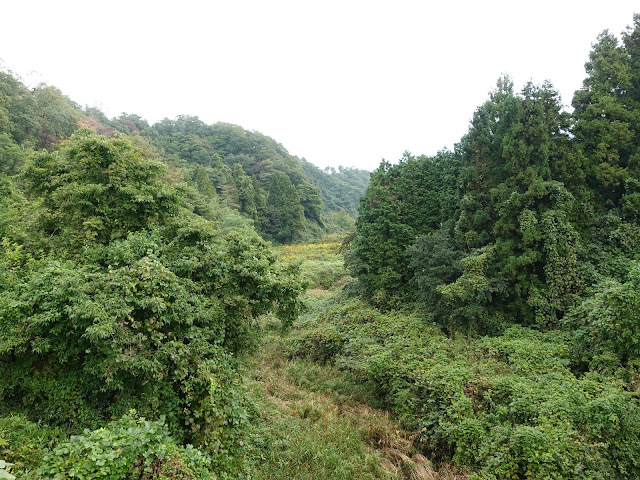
(320, 430)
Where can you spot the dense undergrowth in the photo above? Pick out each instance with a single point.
(496, 303)
(320, 421)
(115, 295)
(509, 406)
(516, 405)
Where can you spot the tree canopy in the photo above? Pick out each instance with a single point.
(532, 207)
(115, 295)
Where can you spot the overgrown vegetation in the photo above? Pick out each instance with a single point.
(510, 406)
(516, 349)
(492, 306)
(227, 165)
(115, 295)
(286, 198)
(319, 426)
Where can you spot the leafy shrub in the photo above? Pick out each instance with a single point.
(607, 326)
(129, 448)
(322, 274)
(129, 300)
(323, 343)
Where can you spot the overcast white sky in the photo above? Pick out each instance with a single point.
(337, 82)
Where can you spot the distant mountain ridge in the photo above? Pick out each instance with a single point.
(236, 164)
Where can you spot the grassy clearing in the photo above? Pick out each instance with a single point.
(311, 251)
(322, 264)
(319, 428)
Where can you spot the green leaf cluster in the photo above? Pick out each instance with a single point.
(128, 448)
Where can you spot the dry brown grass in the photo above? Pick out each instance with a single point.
(319, 293)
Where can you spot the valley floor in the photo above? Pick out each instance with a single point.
(318, 423)
(319, 428)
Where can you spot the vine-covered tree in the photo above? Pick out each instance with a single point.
(606, 121)
(402, 201)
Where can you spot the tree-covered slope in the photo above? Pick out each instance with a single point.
(341, 189)
(234, 164)
(131, 280)
(241, 166)
(522, 247)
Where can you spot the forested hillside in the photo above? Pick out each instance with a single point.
(223, 162)
(484, 324)
(524, 241)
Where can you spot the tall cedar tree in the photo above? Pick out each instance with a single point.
(286, 214)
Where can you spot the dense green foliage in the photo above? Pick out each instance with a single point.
(509, 406)
(240, 167)
(138, 449)
(225, 162)
(284, 209)
(36, 118)
(532, 207)
(402, 202)
(494, 308)
(115, 295)
(522, 246)
(132, 277)
(27, 443)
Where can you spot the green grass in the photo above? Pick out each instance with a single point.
(318, 428)
(322, 263)
(320, 422)
(311, 433)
